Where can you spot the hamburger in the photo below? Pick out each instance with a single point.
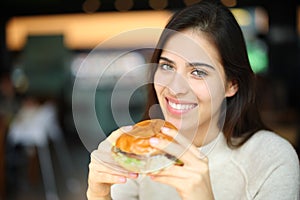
(132, 150)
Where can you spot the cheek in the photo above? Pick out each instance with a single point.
(162, 79)
(209, 92)
(201, 91)
(158, 89)
(157, 83)
(217, 90)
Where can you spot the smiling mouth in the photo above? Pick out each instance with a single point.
(180, 106)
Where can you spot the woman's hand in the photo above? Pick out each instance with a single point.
(191, 180)
(101, 177)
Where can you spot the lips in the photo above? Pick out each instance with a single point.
(175, 106)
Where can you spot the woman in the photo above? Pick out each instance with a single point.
(204, 85)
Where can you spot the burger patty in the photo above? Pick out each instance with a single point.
(143, 157)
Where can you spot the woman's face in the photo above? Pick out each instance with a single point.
(190, 84)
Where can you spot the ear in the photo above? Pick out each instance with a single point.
(231, 88)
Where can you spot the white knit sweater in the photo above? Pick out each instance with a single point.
(266, 167)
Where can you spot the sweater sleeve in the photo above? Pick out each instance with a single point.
(277, 172)
(281, 184)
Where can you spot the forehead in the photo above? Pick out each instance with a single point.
(192, 46)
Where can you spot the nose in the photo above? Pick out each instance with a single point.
(178, 85)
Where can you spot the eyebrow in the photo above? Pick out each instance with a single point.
(193, 64)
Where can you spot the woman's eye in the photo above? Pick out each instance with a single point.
(165, 66)
(199, 73)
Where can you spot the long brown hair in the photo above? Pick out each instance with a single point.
(242, 118)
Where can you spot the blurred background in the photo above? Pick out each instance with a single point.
(43, 44)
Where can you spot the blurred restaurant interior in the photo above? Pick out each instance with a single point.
(43, 45)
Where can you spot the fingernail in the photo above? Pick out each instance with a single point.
(165, 129)
(126, 128)
(152, 177)
(122, 179)
(154, 141)
(133, 175)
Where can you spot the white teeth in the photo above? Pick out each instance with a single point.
(181, 106)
